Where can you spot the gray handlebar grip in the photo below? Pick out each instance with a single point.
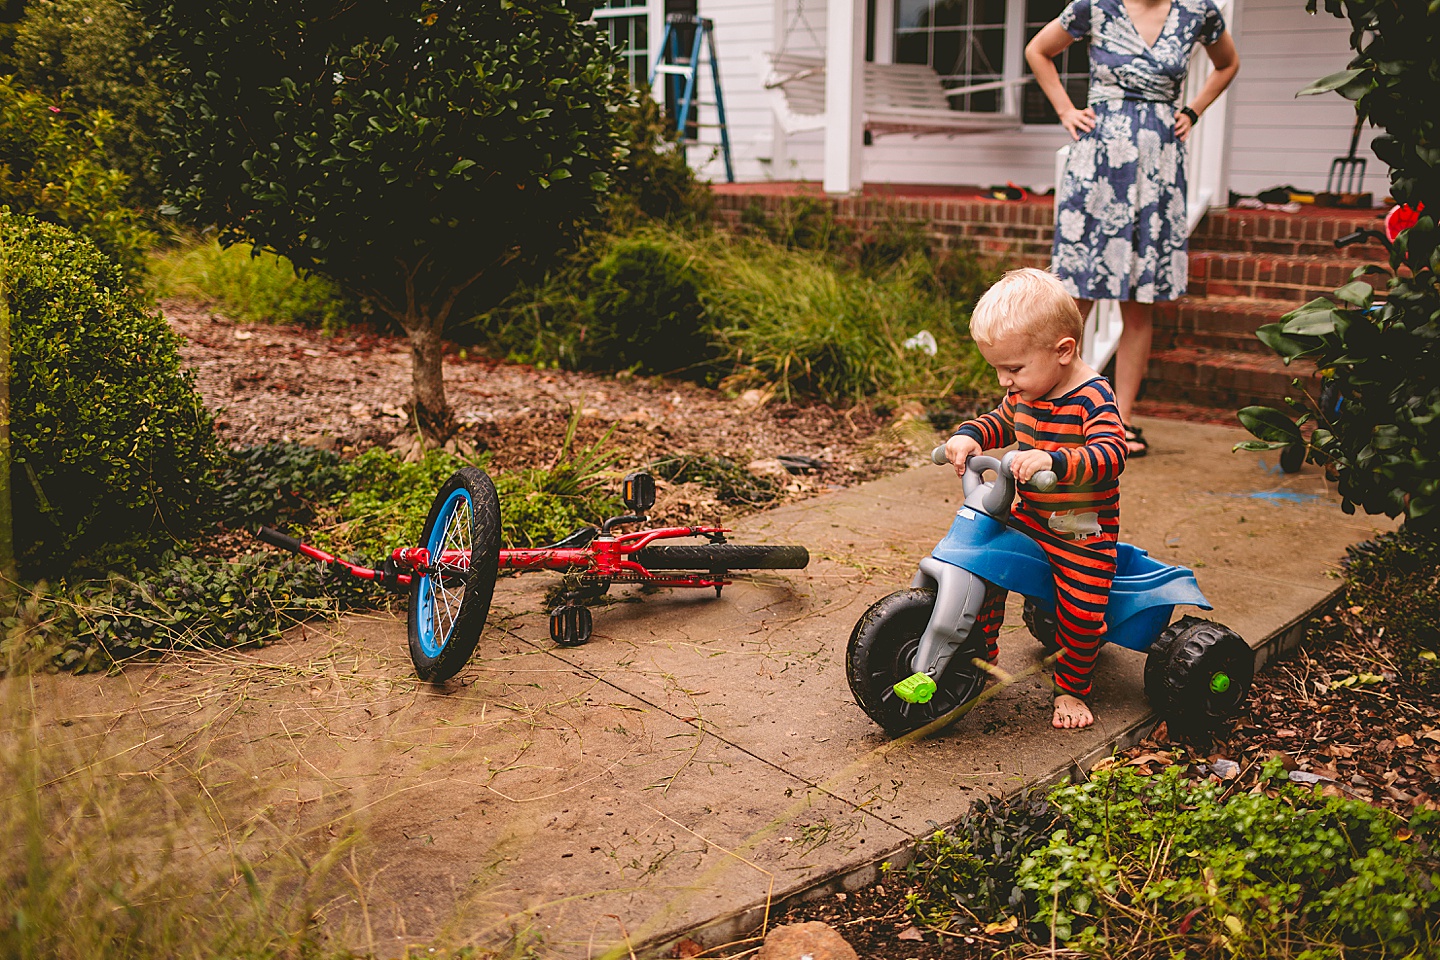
(937, 456)
(1043, 481)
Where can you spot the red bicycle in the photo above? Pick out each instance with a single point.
(451, 576)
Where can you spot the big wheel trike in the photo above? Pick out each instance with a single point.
(916, 655)
(451, 575)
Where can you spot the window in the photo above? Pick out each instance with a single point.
(1073, 63)
(628, 24)
(962, 40)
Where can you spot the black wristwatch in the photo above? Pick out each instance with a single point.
(1194, 117)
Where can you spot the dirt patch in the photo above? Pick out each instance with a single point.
(269, 383)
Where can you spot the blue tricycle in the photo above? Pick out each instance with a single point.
(916, 656)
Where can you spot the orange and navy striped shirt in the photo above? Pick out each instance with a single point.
(1086, 440)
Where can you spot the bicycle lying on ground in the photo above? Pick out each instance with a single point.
(451, 576)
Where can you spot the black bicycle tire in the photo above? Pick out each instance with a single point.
(723, 556)
(479, 581)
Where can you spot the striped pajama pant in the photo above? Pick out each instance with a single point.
(1083, 572)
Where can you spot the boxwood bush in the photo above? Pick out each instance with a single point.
(110, 441)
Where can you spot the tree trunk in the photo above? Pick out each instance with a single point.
(428, 408)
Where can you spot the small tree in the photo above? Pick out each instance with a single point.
(1380, 420)
(410, 150)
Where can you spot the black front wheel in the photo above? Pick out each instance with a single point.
(881, 653)
(1198, 673)
(450, 601)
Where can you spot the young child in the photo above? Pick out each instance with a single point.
(1062, 415)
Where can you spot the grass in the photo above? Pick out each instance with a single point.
(249, 287)
(802, 323)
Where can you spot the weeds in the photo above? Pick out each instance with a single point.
(250, 286)
(104, 858)
(797, 321)
(1144, 866)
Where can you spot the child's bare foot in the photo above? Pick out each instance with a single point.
(1071, 713)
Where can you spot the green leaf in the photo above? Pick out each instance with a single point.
(1356, 292)
(1333, 82)
(1269, 424)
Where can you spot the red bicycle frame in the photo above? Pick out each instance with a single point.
(603, 558)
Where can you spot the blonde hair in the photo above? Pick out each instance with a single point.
(1027, 303)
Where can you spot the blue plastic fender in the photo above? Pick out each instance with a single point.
(1142, 597)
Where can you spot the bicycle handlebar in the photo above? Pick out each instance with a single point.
(277, 539)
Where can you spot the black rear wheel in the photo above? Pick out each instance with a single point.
(881, 653)
(1206, 674)
(723, 556)
(449, 603)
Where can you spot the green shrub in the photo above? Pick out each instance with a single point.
(98, 54)
(654, 180)
(53, 168)
(110, 440)
(973, 871)
(251, 288)
(184, 603)
(643, 310)
(1383, 357)
(1283, 872)
(276, 482)
(796, 321)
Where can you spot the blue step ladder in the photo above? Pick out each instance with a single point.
(681, 74)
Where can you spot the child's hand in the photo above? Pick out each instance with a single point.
(958, 450)
(1027, 463)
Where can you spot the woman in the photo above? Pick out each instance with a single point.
(1120, 218)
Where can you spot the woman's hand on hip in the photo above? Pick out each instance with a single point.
(1183, 126)
(1078, 121)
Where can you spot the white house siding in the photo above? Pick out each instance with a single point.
(1275, 138)
(742, 29)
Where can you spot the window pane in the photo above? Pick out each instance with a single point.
(1073, 64)
(961, 40)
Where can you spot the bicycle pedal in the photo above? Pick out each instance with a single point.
(571, 624)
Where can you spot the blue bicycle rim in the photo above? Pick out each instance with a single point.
(443, 607)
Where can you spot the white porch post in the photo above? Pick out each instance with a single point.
(844, 94)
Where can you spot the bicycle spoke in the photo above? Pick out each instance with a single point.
(456, 538)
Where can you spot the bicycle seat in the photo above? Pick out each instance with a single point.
(579, 538)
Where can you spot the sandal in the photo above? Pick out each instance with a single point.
(1135, 439)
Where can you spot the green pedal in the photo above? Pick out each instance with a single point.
(916, 688)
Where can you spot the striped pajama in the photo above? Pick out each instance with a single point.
(1077, 524)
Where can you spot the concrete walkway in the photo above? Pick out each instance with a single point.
(701, 759)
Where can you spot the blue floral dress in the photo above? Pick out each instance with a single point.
(1120, 218)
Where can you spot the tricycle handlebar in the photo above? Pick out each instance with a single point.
(1043, 481)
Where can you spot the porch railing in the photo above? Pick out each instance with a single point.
(1207, 152)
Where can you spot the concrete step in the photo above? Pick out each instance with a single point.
(1265, 277)
(1224, 379)
(1217, 323)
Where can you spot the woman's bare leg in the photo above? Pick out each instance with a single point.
(1132, 354)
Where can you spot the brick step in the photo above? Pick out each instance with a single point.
(1221, 379)
(1266, 277)
(1309, 233)
(1218, 323)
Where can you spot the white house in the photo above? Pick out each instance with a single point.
(810, 124)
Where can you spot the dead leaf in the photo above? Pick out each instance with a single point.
(687, 948)
(909, 933)
(1001, 926)
(1404, 740)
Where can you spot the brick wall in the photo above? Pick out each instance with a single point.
(1015, 232)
